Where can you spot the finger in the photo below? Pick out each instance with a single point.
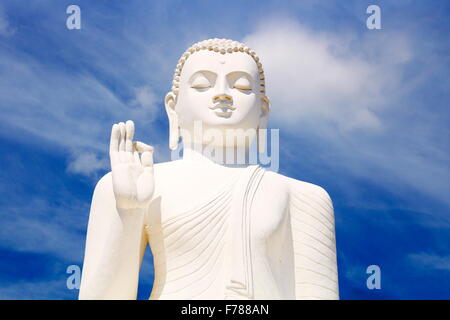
(114, 144)
(142, 147)
(129, 127)
(122, 136)
(147, 159)
(136, 157)
(115, 135)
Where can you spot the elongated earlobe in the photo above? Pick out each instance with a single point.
(174, 135)
(174, 129)
(261, 133)
(261, 139)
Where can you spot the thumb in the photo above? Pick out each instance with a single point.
(147, 159)
(142, 147)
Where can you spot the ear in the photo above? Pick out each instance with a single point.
(174, 130)
(265, 111)
(262, 126)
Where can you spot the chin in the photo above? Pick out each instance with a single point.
(231, 123)
(234, 119)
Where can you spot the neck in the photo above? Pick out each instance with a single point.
(219, 155)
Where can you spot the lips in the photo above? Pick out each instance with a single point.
(223, 106)
(223, 110)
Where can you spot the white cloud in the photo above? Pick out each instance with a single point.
(351, 94)
(320, 76)
(430, 261)
(344, 90)
(72, 110)
(5, 28)
(38, 226)
(39, 290)
(145, 96)
(87, 163)
(146, 102)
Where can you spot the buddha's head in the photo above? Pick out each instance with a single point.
(219, 83)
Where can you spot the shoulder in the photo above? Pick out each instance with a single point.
(302, 191)
(309, 190)
(164, 172)
(105, 182)
(103, 190)
(276, 180)
(165, 167)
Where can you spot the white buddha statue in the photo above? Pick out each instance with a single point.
(217, 229)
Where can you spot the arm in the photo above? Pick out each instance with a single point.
(313, 232)
(115, 246)
(115, 239)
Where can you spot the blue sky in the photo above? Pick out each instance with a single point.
(362, 113)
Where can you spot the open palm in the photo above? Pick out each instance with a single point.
(132, 175)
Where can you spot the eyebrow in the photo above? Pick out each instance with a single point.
(200, 71)
(241, 72)
(215, 73)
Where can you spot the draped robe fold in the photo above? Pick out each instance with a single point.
(206, 251)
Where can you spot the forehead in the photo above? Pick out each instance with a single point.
(219, 63)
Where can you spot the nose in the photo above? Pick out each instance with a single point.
(222, 97)
(222, 91)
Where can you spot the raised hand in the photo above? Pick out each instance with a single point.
(133, 180)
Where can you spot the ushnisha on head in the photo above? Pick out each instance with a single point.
(220, 83)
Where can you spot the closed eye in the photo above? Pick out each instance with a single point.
(243, 84)
(200, 82)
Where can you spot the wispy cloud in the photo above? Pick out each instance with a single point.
(5, 27)
(56, 289)
(45, 227)
(362, 111)
(430, 261)
(351, 97)
(326, 76)
(74, 110)
(87, 163)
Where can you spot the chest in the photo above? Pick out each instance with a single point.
(196, 197)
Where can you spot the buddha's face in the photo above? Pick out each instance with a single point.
(220, 90)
